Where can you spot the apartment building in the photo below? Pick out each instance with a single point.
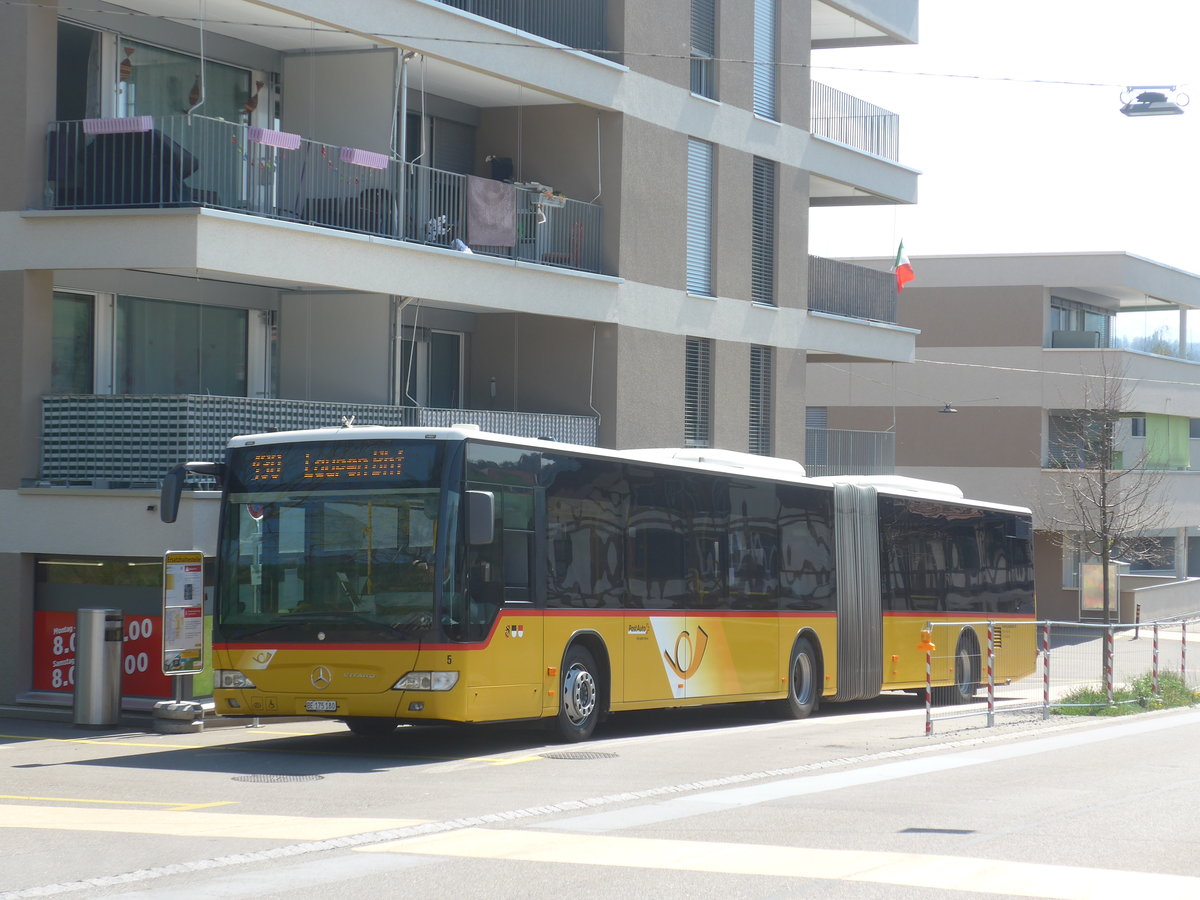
(1011, 349)
(583, 219)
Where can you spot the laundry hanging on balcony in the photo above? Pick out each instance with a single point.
(491, 213)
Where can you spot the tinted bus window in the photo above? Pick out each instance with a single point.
(753, 546)
(808, 561)
(586, 508)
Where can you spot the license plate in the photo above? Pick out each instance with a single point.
(320, 706)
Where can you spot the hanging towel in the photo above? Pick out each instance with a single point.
(491, 213)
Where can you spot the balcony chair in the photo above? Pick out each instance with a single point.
(574, 249)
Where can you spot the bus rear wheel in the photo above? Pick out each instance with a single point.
(368, 726)
(966, 674)
(579, 705)
(803, 681)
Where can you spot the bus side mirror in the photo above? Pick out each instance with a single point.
(172, 485)
(481, 517)
(172, 488)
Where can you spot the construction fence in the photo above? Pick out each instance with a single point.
(990, 673)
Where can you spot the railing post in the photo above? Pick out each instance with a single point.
(1108, 664)
(1154, 676)
(991, 673)
(1045, 670)
(928, 646)
(1183, 656)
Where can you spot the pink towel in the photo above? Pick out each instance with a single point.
(491, 213)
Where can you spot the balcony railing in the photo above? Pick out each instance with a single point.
(131, 440)
(575, 23)
(832, 451)
(845, 118)
(845, 289)
(178, 161)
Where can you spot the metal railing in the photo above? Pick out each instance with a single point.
(848, 120)
(121, 440)
(833, 451)
(179, 161)
(576, 23)
(1059, 667)
(846, 289)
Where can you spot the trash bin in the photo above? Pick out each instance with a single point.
(98, 635)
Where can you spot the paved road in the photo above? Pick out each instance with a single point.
(718, 803)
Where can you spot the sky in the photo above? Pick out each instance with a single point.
(1017, 132)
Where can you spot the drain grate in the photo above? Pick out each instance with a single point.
(578, 754)
(277, 778)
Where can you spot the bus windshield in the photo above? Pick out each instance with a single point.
(333, 540)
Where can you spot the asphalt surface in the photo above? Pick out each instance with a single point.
(731, 802)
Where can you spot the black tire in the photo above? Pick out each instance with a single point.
(804, 681)
(966, 674)
(579, 704)
(371, 727)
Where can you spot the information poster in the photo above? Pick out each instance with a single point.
(54, 655)
(183, 612)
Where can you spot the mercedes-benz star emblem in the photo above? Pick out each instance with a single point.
(321, 678)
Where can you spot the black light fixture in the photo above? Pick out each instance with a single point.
(1153, 100)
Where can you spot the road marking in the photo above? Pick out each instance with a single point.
(192, 824)
(102, 743)
(908, 870)
(763, 791)
(174, 807)
(366, 839)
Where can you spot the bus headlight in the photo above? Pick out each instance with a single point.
(231, 678)
(426, 681)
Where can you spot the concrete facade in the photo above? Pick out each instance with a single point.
(987, 350)
(344, 315)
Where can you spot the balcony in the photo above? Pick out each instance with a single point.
(131, 440)
(833, 451)
(846, 289)
(181, 161)
(848, 120)
(575, 23)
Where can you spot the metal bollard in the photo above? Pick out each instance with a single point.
(98, 636)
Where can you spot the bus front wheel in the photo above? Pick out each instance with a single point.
(804, 670)
(579, 706)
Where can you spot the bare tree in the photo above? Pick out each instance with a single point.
(1106, 498)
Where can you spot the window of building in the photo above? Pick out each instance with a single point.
(1137, 426)
(766, 76)
(431, 369)
(1079, 325)
(704, 48)
(165, 347)
(163, 82)
(761, 397)
(697, 393)
(73, 344)
(762, 232)
(700, 217)
(1194, 428)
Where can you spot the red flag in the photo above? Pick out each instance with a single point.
(902, 268)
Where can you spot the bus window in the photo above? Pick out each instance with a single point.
(753, 546)
(586, 508)
(807, 580)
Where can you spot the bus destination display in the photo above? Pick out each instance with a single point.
(335, 463)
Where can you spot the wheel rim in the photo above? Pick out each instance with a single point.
(579, 694)
(962, 672)
(802, 678)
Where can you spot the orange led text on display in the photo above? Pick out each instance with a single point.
(377, 464)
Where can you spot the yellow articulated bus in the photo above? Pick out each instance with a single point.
(388, 575)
